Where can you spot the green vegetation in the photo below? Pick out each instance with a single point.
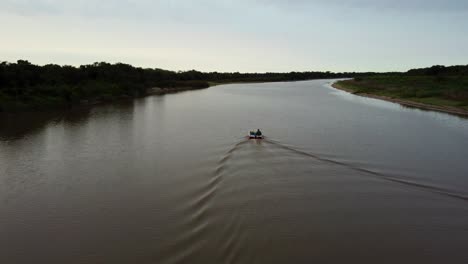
(25, 86)
(438, 86)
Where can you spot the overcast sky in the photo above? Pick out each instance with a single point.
(241, 35)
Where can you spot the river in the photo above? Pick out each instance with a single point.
(172, 179)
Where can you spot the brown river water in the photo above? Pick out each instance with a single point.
(172, 179)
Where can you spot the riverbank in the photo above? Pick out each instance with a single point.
(390, 94)
(163, 90)
(28, 87)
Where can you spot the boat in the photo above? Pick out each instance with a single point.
(253, 135)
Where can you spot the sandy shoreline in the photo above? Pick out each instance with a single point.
(161, 91)
(407, 103)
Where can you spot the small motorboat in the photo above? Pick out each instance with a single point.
(255, 135)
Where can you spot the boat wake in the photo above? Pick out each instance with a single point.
(430, 188)
(256, 181)
(199, 207)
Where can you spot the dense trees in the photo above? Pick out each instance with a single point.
(27, 86)
(24, 85)
(439, 70)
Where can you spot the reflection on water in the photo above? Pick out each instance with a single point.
(172, 179)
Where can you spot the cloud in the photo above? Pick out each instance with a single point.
(232, 34)
(413, 5)
(383, 5)
(141, 9)
(28, 7)
(135, 9)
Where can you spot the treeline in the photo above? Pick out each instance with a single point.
(439, 70)
(27, 86)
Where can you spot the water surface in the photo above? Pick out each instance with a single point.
(172, 179)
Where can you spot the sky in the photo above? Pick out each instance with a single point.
(241, 35)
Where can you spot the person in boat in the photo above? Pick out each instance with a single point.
(252, 133)
(258, 133)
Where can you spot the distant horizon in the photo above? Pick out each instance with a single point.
(143, 67)
(247, 36)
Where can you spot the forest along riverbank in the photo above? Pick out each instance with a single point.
(25, 86)
(448, 94)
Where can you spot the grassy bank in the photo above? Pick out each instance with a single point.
(446, 93)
